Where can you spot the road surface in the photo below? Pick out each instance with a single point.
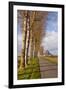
(48, 69)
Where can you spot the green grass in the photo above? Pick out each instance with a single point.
(31, 71)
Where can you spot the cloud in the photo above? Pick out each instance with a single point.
(50, 42)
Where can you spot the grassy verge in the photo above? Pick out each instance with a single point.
(31, 71)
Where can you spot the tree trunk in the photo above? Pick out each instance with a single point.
(24, 54)
(28, 36)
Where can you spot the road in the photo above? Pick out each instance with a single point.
(48, 69)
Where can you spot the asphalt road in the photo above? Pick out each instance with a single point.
(48, 69)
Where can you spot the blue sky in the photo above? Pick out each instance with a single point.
(52, 21)
(50, 41)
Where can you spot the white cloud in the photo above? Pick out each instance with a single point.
(50, 42)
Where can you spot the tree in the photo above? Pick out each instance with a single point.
(33, 29)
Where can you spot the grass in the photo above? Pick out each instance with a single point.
(53, 59)
(31, 71)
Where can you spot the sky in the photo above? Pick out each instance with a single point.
(19, 37)
(50, 41)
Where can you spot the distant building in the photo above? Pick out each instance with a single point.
(47, 53)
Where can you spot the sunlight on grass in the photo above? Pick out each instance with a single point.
(31, 71)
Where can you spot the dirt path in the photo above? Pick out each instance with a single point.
(47, 69)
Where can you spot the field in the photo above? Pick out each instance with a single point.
(53, 59)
